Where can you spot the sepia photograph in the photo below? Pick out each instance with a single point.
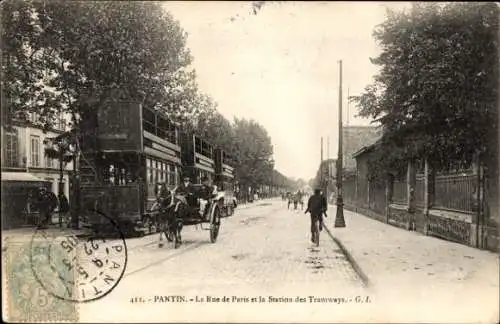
(250, 162)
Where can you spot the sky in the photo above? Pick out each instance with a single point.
(280, 68)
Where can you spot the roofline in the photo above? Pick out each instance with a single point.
(363, 126)
(364, 149)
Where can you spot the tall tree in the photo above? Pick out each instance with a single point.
(437, 88)
(253, 152)
(82, 51)
(22, 68)
(212, 125)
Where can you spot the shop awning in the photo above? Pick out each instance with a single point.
(21, 176)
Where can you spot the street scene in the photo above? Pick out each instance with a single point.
(172, 162)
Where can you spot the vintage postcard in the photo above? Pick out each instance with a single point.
(250, 161)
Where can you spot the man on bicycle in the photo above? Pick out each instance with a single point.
(317, 206)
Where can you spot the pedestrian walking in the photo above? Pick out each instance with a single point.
(46, 202)
(63, 209)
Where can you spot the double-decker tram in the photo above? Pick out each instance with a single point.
(126, 151)
(197, 158)
(224, 179)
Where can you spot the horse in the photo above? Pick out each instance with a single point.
(168, 216)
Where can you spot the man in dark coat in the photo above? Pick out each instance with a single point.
(317, 206)
(63, 208)
(46, 203)
(208, 191)
(185, 186)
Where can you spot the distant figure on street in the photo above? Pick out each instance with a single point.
(317, 206)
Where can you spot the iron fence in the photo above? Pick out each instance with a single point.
(456, 192)
(377, 197)
(420, 191)
(349, 186)
(400, 192)
(362, 198)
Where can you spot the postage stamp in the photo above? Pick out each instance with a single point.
(48, 275)
(25, 300)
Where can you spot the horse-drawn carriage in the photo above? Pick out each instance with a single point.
(176, 210)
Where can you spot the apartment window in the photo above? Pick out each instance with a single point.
(11, 150)
(48, 162)
(35, 118)
(35, 151)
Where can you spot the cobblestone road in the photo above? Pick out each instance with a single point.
(263, 268)
(263, 252)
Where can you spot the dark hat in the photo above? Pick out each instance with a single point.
(186, 178)
(317, 191)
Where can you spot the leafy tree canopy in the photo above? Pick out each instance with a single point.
(72, 56)
(69, 56)
(253, 152)
(437, 88)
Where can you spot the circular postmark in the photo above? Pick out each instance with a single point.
(79, 268)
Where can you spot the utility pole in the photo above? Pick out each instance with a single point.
(347, 117)
(327, 166)
(339, 217)
(327, 147)
(321, 165)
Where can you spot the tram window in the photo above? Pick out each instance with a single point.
(198, 145)
(149, 120)
(171, 174)
(155, 171)
(172, 136)
(162, 130)
(150, 171)
(177, 175)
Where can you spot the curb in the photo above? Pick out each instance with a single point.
(361, 274)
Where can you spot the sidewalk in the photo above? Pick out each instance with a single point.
(454, 281)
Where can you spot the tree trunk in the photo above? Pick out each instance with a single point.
(61, 173)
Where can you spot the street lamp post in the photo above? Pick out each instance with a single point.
(339, 217)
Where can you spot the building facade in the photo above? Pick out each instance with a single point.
(354, 138)
(24, 164)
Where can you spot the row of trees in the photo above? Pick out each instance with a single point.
(437, 90)
(69, 57)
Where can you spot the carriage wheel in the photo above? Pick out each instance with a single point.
(229, 210)
(214, 224)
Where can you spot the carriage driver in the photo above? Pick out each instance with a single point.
(185, 186)
(207, 193)
(183, 190)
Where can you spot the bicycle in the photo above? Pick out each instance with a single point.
(316, 223)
